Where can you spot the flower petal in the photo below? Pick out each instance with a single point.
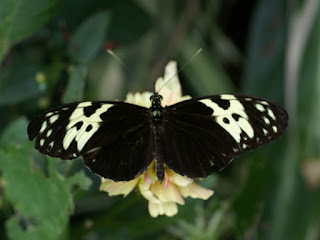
(170, 73)
(170, 85)
(169, 194)
(195, 191)
(150, 175)
(141, 99)
(178, 179)
(147, 193)
(169, 209)
(117, 188)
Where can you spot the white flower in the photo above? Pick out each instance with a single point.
(163, 197)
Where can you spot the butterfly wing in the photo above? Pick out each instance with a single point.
(114, 138)
(204, 134)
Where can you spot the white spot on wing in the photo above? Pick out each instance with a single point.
(260, 107)
(84, 104)
(43, 126)
(275, 129)
(49, 132)
(265, 131)
(235, 150)
(41, 142)
(49, 114)
(266, 120)
(234, 128)
(271, 114)
(246, 126)
(81, 136)
(53, 118)
(228, 97)
(77, 113)
(235, 107)
(68, 138)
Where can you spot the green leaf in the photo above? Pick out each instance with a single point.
(20, 18)
(129, 22)
(76, 84)
(204, 225)
(88, 38)
(263, 71)
(205, 75)
(295, 197)
(15, 133)
(248, 203)
(42, 203)
(19, 84)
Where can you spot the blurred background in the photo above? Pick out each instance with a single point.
(53, 52)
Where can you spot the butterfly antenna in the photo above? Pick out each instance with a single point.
(118, 59)
(183, 66)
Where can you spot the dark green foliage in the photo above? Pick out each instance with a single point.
(87, 39)
(42, 204)
(19, 19)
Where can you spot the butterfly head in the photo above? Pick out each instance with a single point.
(156, 108)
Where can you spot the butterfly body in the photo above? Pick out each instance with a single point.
(119, 141)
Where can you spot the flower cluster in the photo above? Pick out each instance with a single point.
(163, 197)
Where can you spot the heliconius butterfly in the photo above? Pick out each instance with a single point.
(119, 141)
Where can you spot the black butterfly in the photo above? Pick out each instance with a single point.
(119, 140)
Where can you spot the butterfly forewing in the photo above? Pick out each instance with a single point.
(204, 134)
(113, 137)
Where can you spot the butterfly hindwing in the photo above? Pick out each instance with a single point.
(113, 137)
(126, 157)
(207, 133)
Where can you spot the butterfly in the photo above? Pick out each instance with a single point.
(195, 137)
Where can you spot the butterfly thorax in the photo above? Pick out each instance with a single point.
(156, 108)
